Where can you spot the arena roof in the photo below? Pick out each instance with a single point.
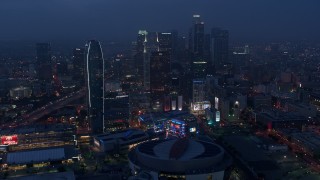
(180, 156)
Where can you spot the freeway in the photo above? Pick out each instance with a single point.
(46, 109)
(298, 149)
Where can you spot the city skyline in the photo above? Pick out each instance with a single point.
(150, 90)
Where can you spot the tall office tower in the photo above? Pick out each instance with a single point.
(220, 48)
(43, 63)
(117, 67)
(166, 42)
(240, 58)
(139, 53)
(196, 36)
(95, 85)
(197, 45)
(199, 96)
(190, 40)
(151, 45)
(78, 59)
(198, 90)
(198, 40)
(147, 42)
(175, 44)
(207, 53)
(199, 69)
(160, 78)
(152, 42)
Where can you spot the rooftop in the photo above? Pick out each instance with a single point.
(25, 157)
(41, 155)
(124, 135)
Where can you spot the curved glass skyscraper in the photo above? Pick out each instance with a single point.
(95, 85)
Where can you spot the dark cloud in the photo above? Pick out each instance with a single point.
(121, 19)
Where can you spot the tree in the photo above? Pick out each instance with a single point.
(62, 169)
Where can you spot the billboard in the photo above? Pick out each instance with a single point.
(193, 129)
(9, 140)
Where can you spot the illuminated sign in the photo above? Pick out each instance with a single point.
(9, 140)
(193, 129)
(217, 116)
(200, 106)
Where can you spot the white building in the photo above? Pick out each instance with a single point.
(20, 92)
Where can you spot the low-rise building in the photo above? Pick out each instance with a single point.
(120, 140)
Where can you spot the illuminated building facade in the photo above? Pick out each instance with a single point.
(182, 126)
(95, 85)
(199, 97)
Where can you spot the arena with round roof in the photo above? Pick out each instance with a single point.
(180, 158)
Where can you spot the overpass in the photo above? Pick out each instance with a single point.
(32, 117)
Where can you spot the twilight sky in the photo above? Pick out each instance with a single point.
(121, 19)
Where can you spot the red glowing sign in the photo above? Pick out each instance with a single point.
(9, 140)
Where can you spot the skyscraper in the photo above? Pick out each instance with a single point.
(220, 48)
(198, 40)
(199, 69)
(165, 42)
(43, 63)
(199, 63)
(160, 78)
(78, 65)
(207, 53)
(198, 90)
(151, 45)
(139, 53)
(95, 85)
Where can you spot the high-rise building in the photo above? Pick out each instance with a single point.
(175, 44)
(147, 42)
(166, 42)
(151, 45)
(220, 48)
(207, 53)
(95, 85)
(139, 53)
(199, 90)
(43, 63)
(160, 78)
(199, 96)
(197, 42)
(199, 69)
(78, 65)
